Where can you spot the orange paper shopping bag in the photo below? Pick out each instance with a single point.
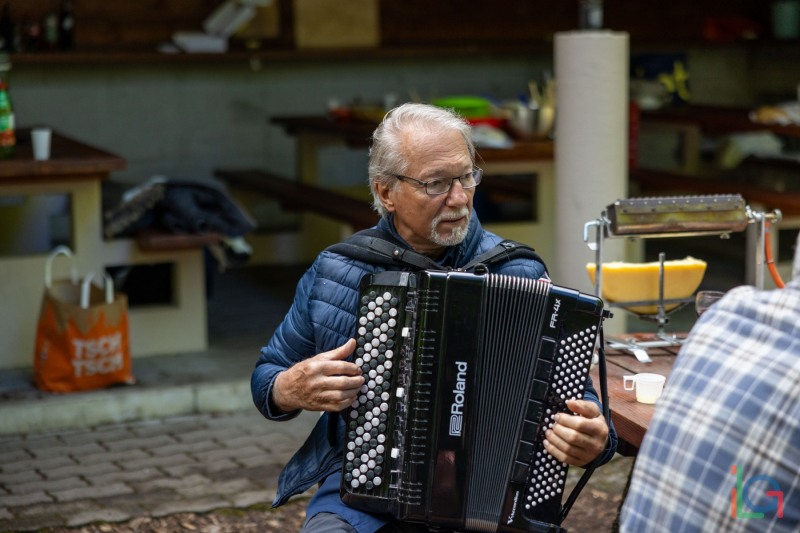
(82, 340)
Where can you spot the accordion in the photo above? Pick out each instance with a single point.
(463, 375)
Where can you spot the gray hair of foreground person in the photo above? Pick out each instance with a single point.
(386, 157)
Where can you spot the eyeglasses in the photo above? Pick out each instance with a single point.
(438, 186)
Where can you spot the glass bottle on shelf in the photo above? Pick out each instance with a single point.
(7, 30)
(66, 26)
(50, 33)
(8, 138)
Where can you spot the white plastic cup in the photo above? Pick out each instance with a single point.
(648, 386)
(40, 137)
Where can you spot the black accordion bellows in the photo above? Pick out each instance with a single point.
(463, 375)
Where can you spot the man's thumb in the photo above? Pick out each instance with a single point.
(342, 352)
(583, 407)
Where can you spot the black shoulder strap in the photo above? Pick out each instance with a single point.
(377, 247)
(504, 251)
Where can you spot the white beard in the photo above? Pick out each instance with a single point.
(458, 234)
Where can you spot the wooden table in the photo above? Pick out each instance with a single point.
(77, 170)
(630, 417)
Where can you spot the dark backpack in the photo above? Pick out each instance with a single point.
(379, 248)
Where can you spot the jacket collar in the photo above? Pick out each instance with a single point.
(454, 256)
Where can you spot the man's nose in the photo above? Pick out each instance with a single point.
(457, 195)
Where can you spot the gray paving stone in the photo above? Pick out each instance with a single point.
(48, 485)
(9, 442)
(212, 433)
(42, 441)
(192, 506)
(243, 441)
(5, 514)
(85, 470)
(140, 442)
(53, 514)
(264, 459)
(156, 462)
(125, 476)
(163, 425)
(32, 523)
(222, 465)
(100, 435)
(171, 483)
(185, 447)
(112, 457)
(280, 443)
(38, 464)
(143, 500)
(51, 463)
(65, 450)
(264, 476)
(99, 515)
(228, 453)
(195, 468)
(239, 419)
(91, 492)
(12, 454)
(252, 497)
(63, 508)
(202, 468)
(23, 476)
(211, 489)
(18, 500)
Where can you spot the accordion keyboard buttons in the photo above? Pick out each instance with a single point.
(570, 370)
(368, 424)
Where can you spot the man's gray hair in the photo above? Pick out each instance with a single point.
(796, 264)
(386, 157)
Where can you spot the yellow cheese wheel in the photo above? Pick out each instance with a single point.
(637, 282)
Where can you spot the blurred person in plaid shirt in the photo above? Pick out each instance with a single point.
(722, 452)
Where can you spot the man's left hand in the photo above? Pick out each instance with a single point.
(577, 439)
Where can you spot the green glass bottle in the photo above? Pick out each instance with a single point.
(8, 139)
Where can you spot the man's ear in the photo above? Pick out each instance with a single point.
(384, 193)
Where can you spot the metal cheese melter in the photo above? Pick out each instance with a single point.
(674, 216)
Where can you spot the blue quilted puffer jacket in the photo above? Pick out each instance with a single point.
(323, 317)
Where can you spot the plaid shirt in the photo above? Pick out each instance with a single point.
(732, 401)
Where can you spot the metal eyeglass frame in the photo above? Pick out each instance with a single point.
(476, 173)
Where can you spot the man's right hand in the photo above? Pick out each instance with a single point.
(325, 382)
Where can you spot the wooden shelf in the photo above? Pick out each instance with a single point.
(653, 182)
(280, 54)
(107, 32)
(715, 120)
(277, 55)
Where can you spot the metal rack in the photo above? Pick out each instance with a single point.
(675, 216)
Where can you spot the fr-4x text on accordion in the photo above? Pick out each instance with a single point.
(463, 375)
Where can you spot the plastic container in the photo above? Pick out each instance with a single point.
(469, 107)
(8, 139)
